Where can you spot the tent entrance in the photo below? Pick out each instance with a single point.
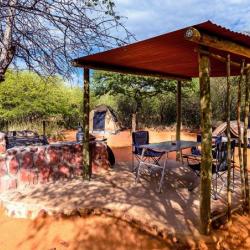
(99, 120)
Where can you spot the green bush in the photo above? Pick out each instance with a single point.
(26, 97)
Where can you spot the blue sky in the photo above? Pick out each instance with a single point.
(147, 18)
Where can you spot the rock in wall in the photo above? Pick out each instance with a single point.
(30, 165)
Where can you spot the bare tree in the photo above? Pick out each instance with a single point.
(44, 35)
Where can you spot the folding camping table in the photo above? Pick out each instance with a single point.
(166, 147)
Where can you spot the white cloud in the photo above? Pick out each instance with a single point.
(152, 17)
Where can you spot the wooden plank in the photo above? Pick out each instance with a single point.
(86, 148)
(212, 41)
(206, 144)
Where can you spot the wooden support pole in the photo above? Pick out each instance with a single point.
(245, 139)
(242, 178)
(212, 41)
(44, 128)
(86, 149)
(206, 144)
(178, 116)
(228, 112)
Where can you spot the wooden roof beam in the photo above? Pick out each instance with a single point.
(128, 70)
(215, 42)
(218, 57)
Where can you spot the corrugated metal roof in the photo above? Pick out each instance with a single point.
(224, 32)
(167, 54)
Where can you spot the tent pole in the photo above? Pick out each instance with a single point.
(245, 139)
(86, 148)
(239, 133)
(178, 117)
(206, 144)
(228, 110)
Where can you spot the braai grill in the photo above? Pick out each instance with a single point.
(24, 138)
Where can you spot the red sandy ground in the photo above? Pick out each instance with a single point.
(99, 232)
(94, 232)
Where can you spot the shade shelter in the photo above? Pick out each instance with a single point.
(204, 50)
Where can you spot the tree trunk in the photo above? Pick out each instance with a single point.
(242, 178)
(161, 114)
(87, 168)
(245, 139)
(178, 117)
(134, 122)
(228, 111)
(7, 47)
(206, 144)
(136, 111)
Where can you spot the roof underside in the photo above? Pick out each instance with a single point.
(169, 54)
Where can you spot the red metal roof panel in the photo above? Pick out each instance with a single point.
(169, 54)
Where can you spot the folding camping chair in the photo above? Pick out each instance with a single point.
(219, 166)
(142, 138)
(151, 166)
(195, 152)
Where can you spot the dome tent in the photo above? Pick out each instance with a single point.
(221, 130)
(103, 120)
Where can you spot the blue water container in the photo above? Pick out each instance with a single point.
(79, 134)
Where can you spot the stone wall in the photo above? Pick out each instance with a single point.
(2, 143)
(30, 165)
